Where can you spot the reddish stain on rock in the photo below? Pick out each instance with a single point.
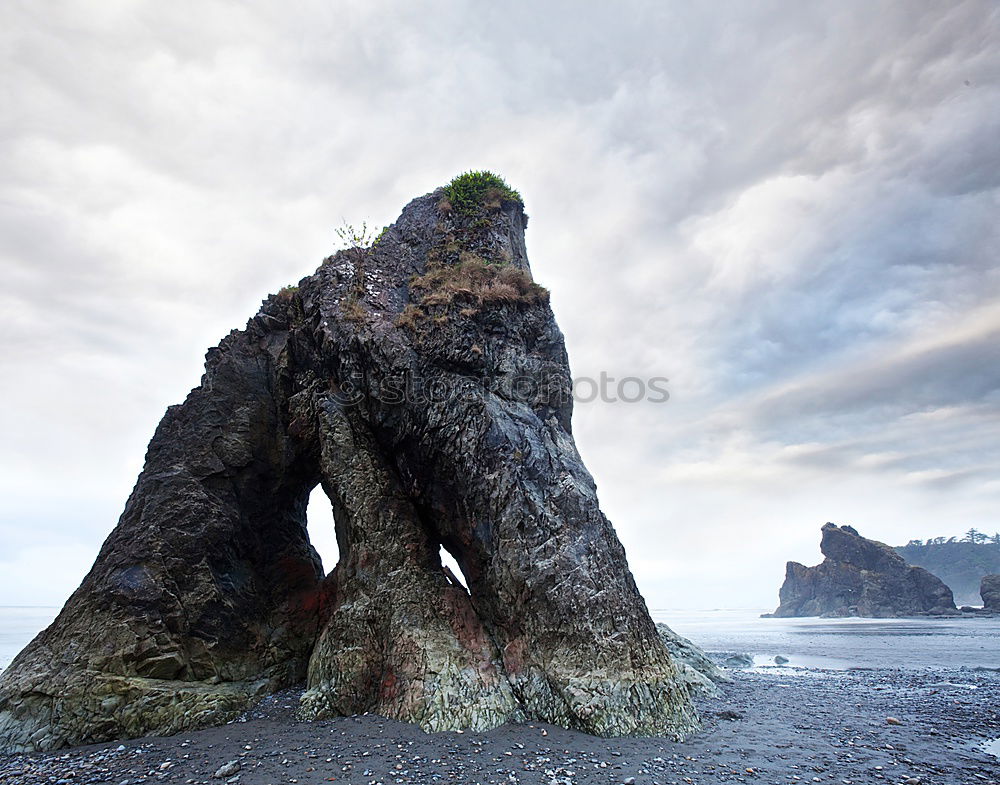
(390, 686)
(514, 656)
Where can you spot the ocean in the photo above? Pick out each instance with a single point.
(838, 644)
(18, 625)
(807, 643)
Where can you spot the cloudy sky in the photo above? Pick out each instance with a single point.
(789, 209)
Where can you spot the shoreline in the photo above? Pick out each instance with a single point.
(773, 727)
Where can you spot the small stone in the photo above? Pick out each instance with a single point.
(227, 769)
(628, 781)
(911, 781)
(892, 721)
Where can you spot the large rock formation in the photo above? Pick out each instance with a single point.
(989, 590)
(860, 577)
(424, 383)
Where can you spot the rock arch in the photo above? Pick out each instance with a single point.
(208, 595)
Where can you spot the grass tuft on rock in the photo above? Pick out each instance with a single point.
(471, 192)
(473, 283)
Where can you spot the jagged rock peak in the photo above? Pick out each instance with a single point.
(860, 577)
(424, 384)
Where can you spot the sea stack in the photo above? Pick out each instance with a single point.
(424, 383)
(861, 577)
(989, 590)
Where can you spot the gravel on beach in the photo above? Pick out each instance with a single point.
(769, 726)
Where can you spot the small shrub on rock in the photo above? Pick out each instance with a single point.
(473, 191)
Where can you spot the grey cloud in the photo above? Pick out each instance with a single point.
(963, 370)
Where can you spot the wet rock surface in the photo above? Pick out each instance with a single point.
(827, 727)
(861, 577)
(424, 383)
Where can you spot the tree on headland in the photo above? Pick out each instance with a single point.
(972, 537)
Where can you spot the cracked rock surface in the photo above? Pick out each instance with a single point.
(424, 384)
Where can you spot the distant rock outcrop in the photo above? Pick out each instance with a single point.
(424, 384)
(989, 590)
(861, 577)
(961, 565)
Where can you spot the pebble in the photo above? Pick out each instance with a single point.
(227, 769)
(817, 724)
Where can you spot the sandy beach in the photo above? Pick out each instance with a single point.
(815, 726)
(770, 725)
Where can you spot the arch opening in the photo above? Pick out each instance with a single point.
(321, 530)
(453, 569)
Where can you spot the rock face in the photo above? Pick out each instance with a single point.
(989, 590)
(424, 383)
(697, 672)
(860, 577)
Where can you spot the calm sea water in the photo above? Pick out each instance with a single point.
(807, 643)
(843, 643)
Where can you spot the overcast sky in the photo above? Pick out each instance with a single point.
(789, 209)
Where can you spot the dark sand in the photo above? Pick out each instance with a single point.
(769, 727)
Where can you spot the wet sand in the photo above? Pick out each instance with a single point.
(770, 726)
